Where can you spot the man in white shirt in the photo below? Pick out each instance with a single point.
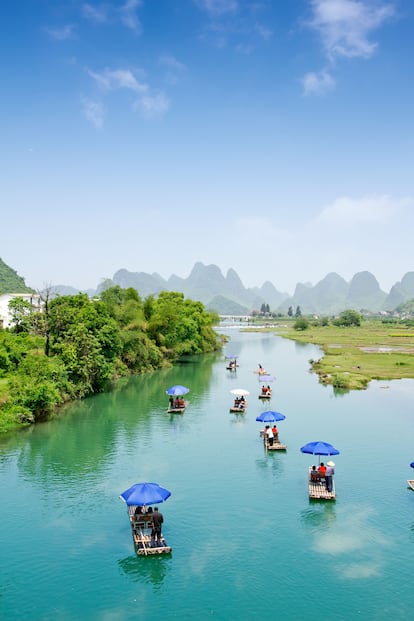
(269, 435)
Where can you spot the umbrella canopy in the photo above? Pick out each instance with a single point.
(266, 378)
(145, 494)
(319, 448)
(177, 390)
(270, 417)
(412, 464)
(231, 357)
(240, 392)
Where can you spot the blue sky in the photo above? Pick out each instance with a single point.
(272, 137)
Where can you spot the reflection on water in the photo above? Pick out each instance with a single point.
(148, 570)
(319, 513)
(71, 471)
(340, 392)
(272, 461)
(299, 346)
(237, 419)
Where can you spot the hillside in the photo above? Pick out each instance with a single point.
(10, 281)
(226, 294)
(406, 307)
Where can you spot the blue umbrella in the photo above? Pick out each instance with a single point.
(319, 448)
(177, 390)
(270, 417)
(231, 356)
(412, 464)
(145, 494)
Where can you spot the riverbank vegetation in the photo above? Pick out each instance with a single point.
(77, 346)
(357, 350)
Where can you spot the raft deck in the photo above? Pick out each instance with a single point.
(238, 410)
(264, 396)
(317, 489)
(410, 483)
(178, 410)
(144, 547)
(276, 446)
(141, 526)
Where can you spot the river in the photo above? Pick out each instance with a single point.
(247, 542)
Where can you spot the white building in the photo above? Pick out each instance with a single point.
(5, 317)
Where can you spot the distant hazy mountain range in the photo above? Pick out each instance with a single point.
(227, 295)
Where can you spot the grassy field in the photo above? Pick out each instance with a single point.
(354, 356)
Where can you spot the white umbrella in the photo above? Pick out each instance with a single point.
(240, 392)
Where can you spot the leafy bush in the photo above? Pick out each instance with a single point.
(301, 324)
(348, 318)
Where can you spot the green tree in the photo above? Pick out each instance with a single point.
(298, 312)
(39, 384)
(20, 314)
(348, 318)
(138, 351)
(87, 340)
(181, 326)
(149, 306)
(290, 311)
(15, 347)
(301, 324)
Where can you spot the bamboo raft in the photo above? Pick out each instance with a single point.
(317, 489)
(179, 410)
(238, 410)
(141, 526)
(410, 483)
(276, 446)
(265, 396)
(144, 547)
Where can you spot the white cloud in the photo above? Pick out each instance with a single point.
(95, 13)
(152, 105)
(317, 83)
(112, 79)
(128, 15)
(264, 32)
(345, 25)
(61, 34)
(348, 212)
(236, 24)
(93, 111)
(111, 13)
(174, 68)
(218, 7)
(172, 63)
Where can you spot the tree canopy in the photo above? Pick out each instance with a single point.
(348, 318)
(76, 345)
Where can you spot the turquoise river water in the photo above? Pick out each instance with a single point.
(247, 542)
